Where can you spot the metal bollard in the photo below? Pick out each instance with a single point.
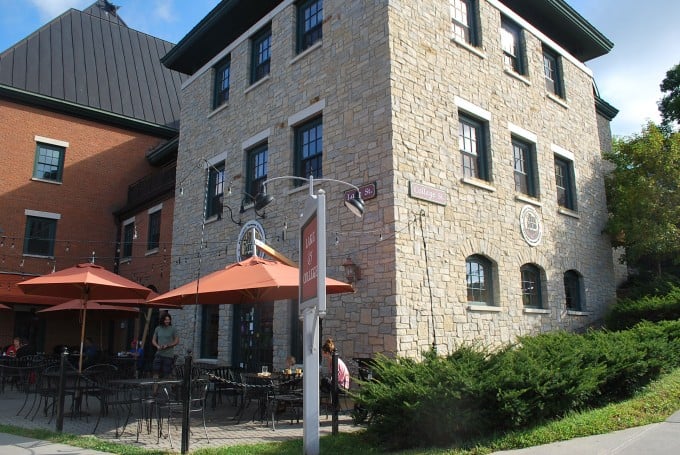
(334, 391)
(60, 390)
(186, 397)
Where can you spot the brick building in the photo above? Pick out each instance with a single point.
(476, 123)
(88, 116)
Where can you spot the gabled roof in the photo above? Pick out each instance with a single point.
(90, 61)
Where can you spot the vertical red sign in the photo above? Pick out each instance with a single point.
(308, 261)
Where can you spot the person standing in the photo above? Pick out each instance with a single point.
(164, 339)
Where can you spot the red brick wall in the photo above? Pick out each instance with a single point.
(100, 162)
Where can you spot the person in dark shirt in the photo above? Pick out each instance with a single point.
(24, 349)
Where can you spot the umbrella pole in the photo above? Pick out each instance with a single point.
(82, 334)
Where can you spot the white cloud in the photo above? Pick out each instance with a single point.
(164, 9)
(48, 10)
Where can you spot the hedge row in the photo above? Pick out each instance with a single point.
(470, 393)
(627, 312)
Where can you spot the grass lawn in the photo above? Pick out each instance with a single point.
(652, 404)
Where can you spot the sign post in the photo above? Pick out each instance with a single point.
(312, 305)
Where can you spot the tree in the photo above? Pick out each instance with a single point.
(643, 196)
(669, 106)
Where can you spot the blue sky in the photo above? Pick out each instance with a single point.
(645, 36)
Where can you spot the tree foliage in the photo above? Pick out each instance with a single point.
(643, 197)
(669, 106)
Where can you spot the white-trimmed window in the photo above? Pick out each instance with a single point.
(261, 44)
(463, 21)
(565, 182)
(41, 233)
(573, 290)
(552, 71)
(222, 82)
(524, 164)
(49, 159)
(309, 23)
(531, 286)
(511, 42)
(473, 147)
(128, 237)
(479, 280)
(154, 237)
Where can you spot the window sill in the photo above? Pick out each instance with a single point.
(478, 183)
(306, 52)
(482, 308)
(151, 252)
(39, 256)
(557, 100)
(536, 311)
(219, 109)
(517, 76)
(528, 200)
(568, 212)
(212, 219)
(578, 313)
(257, 84)
(125, 260)
(53, 182)
(469, 47)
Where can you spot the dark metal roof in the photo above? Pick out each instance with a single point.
(93, 60)
(226, 22)
(561, 23)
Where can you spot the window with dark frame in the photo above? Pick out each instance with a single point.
(309, 149)
(215, 190)
(564, 181)
(49, 162)
(473, 147)
(572, 290)
(309, 23)
(261, 54)
(257, 169)
(222, 82)
(531, 286)
(524, 159)
(553, 73)
(210, 324)
(40, 236)
(154, 238)
(511, 42)
(463, 21)
(128, 236)
(479, 280)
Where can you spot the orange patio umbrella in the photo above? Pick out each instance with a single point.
(103, 311)
(250, 281)
(85, 282)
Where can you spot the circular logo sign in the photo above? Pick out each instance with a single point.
(244, 244)
(530, 225)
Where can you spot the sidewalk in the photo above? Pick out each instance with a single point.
(17, 445)
(655, 439)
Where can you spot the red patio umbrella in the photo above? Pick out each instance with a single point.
(85, 282)
(70, 307)
(250, 281)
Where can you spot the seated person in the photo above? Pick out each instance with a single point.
(137, 351)
(24, 349)
(12, 349)
(90, 352)
(343, 372)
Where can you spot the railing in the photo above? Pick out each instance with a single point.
(151, 186)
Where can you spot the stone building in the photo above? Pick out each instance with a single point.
(473, 130)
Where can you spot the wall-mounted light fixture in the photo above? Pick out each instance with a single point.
(352, 271)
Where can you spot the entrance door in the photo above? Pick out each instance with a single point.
(253, 330)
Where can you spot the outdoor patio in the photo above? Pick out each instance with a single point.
(221, 426)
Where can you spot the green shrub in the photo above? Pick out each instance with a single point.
(625, 313)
